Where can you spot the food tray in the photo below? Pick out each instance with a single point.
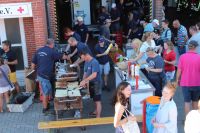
(69, 79)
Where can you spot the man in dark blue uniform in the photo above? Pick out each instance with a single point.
(43, 61)
(79, 47)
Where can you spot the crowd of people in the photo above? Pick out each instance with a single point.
(154, 51)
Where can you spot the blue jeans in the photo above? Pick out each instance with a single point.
(181, 50)
(46, 86)
(157, 83)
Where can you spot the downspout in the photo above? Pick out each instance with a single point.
(47, 18)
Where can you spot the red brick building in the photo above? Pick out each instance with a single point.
(28, 32)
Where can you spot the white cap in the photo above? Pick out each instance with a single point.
(80, 19)
(113, 5)
(156, 21)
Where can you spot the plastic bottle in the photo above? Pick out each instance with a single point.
(133, 71)
(137, 75)
(129, 68)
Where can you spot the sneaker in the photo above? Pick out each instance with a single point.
(77, 114)
(92, 114)
(86, 97)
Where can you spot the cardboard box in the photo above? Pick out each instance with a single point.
(21, 107)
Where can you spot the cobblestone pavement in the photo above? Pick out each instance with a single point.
(27, 122)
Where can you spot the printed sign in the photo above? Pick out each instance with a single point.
(16, 10)
(82, 8)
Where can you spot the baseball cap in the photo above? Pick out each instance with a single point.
(79, 18)
(156, 21)
(101, 39)
(193, 44)
(113, 5)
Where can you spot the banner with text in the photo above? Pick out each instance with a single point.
(16, 10)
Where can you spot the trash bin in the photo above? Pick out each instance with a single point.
(150, 107)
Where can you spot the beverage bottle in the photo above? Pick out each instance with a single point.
(137, 75)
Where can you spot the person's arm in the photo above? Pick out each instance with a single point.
(34, 62)
(99, 55)
(15, 62)
(74, 52)
(87, 37)
(179, 71)
(78, 61)
(159, 64)
(119, 110)
(129, 32)
(33, 66)
(138, 57)
(169, 35)
(67, 48)
(118, 18)
(91, 77)
(156, 70)
(170, 62)
(178, 75)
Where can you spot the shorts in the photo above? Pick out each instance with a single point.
(95, 91)
(45, 85)
(105, 69)
(13, 77)
(191, 93)
(4, 89)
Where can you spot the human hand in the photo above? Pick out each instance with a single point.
(148, 69)
(155, 125)
(83, 83)
(153, 120)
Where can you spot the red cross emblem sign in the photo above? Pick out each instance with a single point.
(20, 9)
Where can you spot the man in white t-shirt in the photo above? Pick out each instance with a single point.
(192, 122)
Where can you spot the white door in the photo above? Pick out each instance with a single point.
(12, 29)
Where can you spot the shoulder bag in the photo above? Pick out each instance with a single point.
(12, 87)
(130, 126)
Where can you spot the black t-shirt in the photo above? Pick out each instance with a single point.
(82, 30)
(100, 50)
(102, 18)
(115, 14)
(10, 56)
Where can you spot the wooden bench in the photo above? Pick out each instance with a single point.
(78, 123)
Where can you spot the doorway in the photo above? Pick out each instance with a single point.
(12, 29)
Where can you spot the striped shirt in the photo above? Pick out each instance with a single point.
(166, 35)
(181, 35)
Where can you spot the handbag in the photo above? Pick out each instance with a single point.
(12, 87)
(130, 126)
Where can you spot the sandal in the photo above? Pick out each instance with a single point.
(92, 114)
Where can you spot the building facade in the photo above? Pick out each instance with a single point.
(28, 23)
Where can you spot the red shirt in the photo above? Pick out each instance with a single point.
(171, 56)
